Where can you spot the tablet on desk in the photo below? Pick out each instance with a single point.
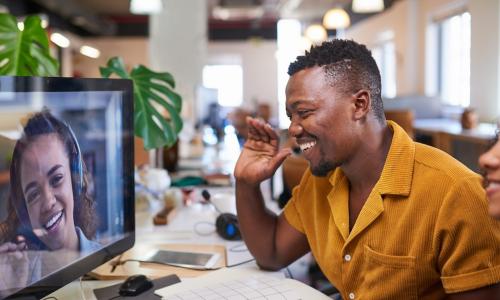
(193, 260)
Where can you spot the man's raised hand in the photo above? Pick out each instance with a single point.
(261, 155)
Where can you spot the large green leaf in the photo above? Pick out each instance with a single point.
(152, 94)
(26, 52)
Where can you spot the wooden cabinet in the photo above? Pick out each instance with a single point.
(466, 145)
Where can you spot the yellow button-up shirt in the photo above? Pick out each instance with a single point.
(424, 230)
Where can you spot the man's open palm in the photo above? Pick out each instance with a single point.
(261, 155)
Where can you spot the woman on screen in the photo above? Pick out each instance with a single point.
(490, 162)
(49, 189)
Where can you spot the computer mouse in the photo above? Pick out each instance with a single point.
(134, 285)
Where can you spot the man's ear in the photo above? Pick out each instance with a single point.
(362, 103)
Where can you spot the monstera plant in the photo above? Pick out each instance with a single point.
(150, 87)
(25, 52)
(156, 106)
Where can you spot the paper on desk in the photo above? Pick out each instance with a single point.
(230, 283)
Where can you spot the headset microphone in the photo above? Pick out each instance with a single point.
(226, 224)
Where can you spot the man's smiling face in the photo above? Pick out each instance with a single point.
(321, 120)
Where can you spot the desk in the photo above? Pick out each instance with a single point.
(466, 145)
(181, 229)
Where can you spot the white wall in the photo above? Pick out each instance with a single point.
(372, 31)
(258, 60)
(133, 51)
(408, 20)
(485, 57)
(178, 43)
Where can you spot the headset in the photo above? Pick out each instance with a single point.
(76, 165)
(226, 224)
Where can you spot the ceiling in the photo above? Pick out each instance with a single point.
(242, 19)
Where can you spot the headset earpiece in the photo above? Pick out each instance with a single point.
(76, 165)
(227, 226)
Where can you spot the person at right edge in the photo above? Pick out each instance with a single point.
(384, 217)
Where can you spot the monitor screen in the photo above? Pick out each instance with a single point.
(66, 179)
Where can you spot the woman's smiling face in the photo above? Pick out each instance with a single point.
(48, 192)
(490, 162)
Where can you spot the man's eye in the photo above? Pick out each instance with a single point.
(303, 113)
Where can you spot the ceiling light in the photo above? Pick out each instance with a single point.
(45, 20)
(145, 7)
(316, 33)
(367, 6)
(336, 18)
(90, 51)
(60, 40)
(236, 13)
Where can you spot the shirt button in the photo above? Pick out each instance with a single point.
(351, 296)
(347, 257)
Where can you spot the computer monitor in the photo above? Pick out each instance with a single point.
(66, 180)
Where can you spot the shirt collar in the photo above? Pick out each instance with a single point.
(397, 173)
(398, 168)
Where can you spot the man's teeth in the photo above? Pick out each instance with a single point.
(53, 220)
(307, 146)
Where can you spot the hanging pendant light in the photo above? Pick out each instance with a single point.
(367, 6)
(336, 18)
(316, 33)
(146, 7)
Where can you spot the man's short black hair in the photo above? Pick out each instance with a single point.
(349, 66)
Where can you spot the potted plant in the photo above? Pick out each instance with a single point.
(156, 106)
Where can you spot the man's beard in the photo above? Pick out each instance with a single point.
(323, 168)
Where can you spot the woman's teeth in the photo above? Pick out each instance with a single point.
(493, 185)
(53, 220)
(307, 146)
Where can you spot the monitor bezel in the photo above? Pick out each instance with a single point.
(84, 265)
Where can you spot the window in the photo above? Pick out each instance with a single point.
(228, 80)
(453, 59)
(385, 56)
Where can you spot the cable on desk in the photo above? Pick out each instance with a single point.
(238, 248)
(198, 232)
(116, 262)
(81, 288)
(121, 262)
(50, 298)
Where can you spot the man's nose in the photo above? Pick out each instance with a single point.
(295, 129)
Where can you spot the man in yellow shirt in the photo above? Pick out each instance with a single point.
(385, 218)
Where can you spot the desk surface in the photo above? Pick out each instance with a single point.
(192, 224)
(482, 131)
